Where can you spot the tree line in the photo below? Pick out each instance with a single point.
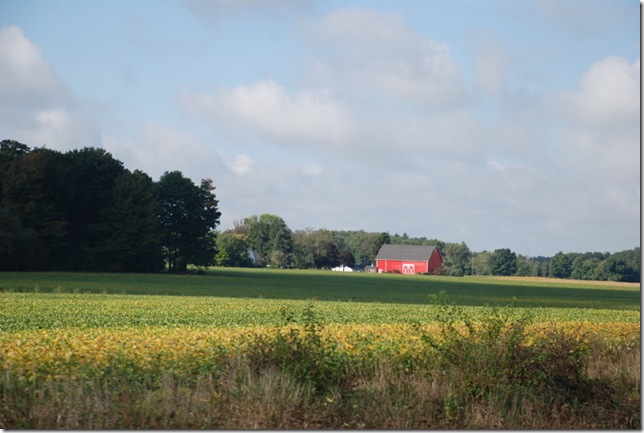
(82, 210)
(266, 240)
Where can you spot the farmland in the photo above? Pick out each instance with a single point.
(286, 347)
(330, 286)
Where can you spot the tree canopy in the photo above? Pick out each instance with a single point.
(503, 262)
(83, 210)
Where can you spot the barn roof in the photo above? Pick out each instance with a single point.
(418, 253)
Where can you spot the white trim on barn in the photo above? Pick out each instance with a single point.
(408, 268)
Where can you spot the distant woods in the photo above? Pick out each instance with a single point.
(272, 244)
(83, 211)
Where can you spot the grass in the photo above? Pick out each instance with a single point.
(330, 286)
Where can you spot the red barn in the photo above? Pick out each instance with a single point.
(408, 259)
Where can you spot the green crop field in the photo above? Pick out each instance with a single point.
(260, 297)
(82, 350)
(330, 286)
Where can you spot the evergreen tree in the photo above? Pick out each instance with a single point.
(503, 262)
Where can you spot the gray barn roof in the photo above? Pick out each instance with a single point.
(417, 253)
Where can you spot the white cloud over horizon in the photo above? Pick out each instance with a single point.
(379, 53)
(35, 105)
(269, 110)
(370, 124)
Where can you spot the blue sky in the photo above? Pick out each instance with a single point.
(501, 123)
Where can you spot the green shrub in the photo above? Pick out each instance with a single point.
(300, 351)
(494, 353)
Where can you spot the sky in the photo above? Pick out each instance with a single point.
(498, 123)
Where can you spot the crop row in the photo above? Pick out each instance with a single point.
(36, 311)
(97, 351)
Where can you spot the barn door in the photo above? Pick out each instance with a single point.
(408, 268)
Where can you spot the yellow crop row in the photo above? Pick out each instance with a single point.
(68, 352)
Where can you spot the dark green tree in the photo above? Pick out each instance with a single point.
(10, 152)
(560, 266)
(326, 255)
(381, 239)
(503, 262)
(18, 246)
(458, 259)
(360, 243)
(540, 266)
(87, 180)
(30, 203)
(188, 217)
(346, 258)
(318, 249)
(303, 249)
(587, 266)
(270, 236)
(132, 242)
(623, 266)
(524, 267)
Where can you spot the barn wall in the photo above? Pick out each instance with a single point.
(435, 261)
(397, 266)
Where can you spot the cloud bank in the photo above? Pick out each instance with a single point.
(35, 106)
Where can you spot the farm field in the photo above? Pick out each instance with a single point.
(331, 286)
(257, 348)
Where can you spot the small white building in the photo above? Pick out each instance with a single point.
(342, 269)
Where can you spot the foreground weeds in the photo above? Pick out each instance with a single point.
(500, 372)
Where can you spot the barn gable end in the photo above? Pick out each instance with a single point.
(408, 259)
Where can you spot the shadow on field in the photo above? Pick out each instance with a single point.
(330, 286)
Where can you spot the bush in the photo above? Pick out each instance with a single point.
(499, 353)
(299, 351)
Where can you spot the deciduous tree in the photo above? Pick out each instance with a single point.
(268, 234)
(560, 265)
(233, 249)
(188, 217)
(132, 242)
(458, 259)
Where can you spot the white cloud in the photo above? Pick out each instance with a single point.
(492, 62)
(608, 96)
(372, 51)
(597, 162)
(36, 107)
(241, 164)
(309, 116)
(601, 130)
(157, 148)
